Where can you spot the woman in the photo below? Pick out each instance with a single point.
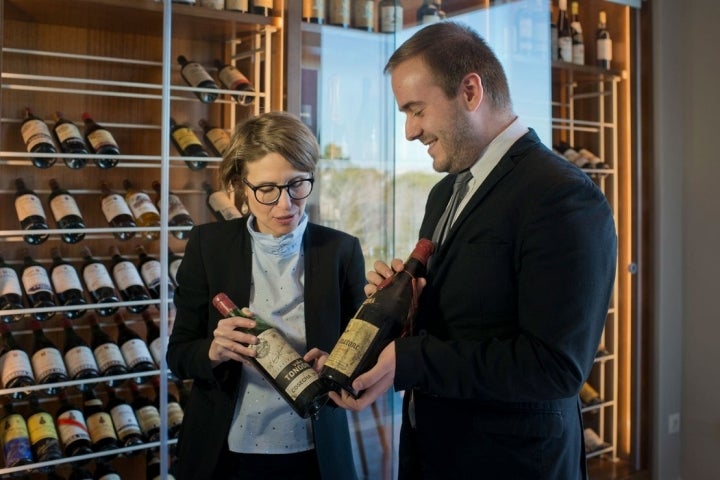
(305, 279)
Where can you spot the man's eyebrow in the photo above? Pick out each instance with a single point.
(410, 105)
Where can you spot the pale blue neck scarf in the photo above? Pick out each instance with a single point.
(282, 246)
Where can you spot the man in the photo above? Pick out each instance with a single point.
(517, 291)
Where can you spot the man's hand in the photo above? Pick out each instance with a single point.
(372, 384)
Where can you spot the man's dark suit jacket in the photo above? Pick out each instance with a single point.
(509, 324)
(218, 259)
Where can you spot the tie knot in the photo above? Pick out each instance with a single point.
(462, 179)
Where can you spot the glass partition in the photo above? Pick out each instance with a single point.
(372, 182)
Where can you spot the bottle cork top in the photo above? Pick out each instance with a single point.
(423, 249)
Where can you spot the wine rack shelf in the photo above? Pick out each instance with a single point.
(117, 60)
(585, 113)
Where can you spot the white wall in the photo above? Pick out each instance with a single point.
(687, 234)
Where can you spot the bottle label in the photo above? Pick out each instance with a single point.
(195, 74)
(96, 276)
(100, 139)
(216, 4)
(68, 131)
(47, 361)
(604, 49)
(35, 132)
(63, 205)
(185, 137)
(79, 359)
(9, 282)
(232, 78)
(364, 12)
(114, 205)
(350, 349)
(237, 5)
(140, 204)
(15, 364)
(175, 414)
(176, 207)
(125, 421)
(64, 278)
(340, 12)
(173, 268)
(263, 3)
(151, 273)
(28, 205)
(71, 427)
(126, 275)
(565, 47)
(156, 349)
(279, 359)
(314, 9)
(35, 279)
(219, 139)
(99, 424)
(108, 355)
(391, 18)
(41, 426)
(135, 351)
(15, 440)
(148, 418)
(220, 203)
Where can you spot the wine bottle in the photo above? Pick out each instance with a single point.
(178, 215)
(174, 261)
(196, 76)
(564, 33)
(30, 213)
(104, 470)
(594, 161)
(99, 423)
(36, 135)
(262, 7)
(175, 412)
(238, 5)
(391, 16)
(363, 15)
(79, 357)
(313, 11)
(578, 44)
(277, 361)
(101, 142)
(72, 429)
(70, 139)
(128, 280)
(427, 13)
(151, 273)
(99, 284)
(44, 439)
(233, 79)
(135, 352)
(36, 283)
(603, 42)
(187, 144)
(66, 213)
(220, 204)
(107, 354)
(117, 212)
(47, 360)
(11, 292)
(216, 138)
(142, 208)
(384, 316)
(15, 364)
(124, 419)
(14, 438)
(147, 414)
(589, 396)
(339, 13)
(154, 341)
(66, 283)
(153, 470)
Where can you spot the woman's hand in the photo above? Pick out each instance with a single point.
(230, 342)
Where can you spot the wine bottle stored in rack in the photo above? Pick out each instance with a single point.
(36, 135)
(30, 213)
(66, 212)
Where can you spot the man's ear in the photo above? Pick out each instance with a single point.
(472, 91)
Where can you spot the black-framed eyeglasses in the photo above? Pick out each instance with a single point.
(269, 193)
